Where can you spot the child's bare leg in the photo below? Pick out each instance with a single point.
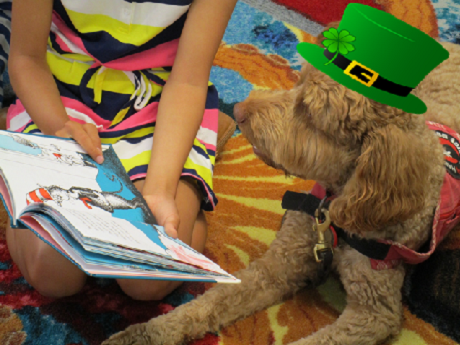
(50, 273)
(192, 230)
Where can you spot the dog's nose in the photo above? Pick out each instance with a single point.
(239, 113)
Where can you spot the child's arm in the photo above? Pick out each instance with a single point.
(31, 77)
(184, 96)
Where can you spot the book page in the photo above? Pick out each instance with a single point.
(101, 265)
(137, 236)
(5, 195)
(112, 230)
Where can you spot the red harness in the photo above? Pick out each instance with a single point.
(447, 214)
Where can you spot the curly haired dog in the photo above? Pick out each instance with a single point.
(386, 169)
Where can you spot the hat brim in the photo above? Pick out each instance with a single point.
(315, 56)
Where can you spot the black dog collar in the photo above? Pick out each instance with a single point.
(309, 203)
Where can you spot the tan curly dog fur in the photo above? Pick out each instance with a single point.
(386, 168)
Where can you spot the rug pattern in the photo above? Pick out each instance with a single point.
(258, 55)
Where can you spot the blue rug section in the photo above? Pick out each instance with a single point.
(267, 34)
(448, 14)
(248, 25)
(44, 329)
(232, 87)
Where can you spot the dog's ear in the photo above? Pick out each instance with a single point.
(388, 185)
(320, 38)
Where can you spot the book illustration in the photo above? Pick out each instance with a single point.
(111, 168)
(53, 152)
(107, 201)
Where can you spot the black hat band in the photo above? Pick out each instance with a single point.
(366, 76)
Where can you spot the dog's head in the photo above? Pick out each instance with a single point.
(370, 154)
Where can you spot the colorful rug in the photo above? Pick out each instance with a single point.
(257, 55)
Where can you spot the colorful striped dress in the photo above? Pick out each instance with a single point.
(110, 60)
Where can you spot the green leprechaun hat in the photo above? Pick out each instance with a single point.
(374, 53)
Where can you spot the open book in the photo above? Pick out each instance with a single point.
(90, 213)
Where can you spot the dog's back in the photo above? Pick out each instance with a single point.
(440, 90)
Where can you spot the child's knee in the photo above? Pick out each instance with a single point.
(52, 284)
(46, 270)
(144, 290)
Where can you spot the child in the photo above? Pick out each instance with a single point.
(94, 71)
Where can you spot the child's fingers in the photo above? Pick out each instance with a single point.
(94, 135)
(171, 225)
(82, 137)
(63, 133)
(170, 231)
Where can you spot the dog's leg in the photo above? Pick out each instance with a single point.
(286, 267)
(374, 304)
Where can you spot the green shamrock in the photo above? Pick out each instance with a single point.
(338, 42)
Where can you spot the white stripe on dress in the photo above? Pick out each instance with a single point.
(144, 13)
(198, 159)
(80, 116)
(207, 136)
(19, 121)
(126, 150)
(22, 119)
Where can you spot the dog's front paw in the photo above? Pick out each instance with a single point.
(149, 333)
(133, 335)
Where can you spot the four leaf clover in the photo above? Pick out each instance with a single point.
(338, 42)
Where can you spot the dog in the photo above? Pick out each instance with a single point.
(386, 170)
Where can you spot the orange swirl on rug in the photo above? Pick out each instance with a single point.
(10, 327)
(263, 71)
(418, 13)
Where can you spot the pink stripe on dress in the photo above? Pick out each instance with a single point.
(62, 44)
(15, 110)
(160, 56)
(69, 34)
(142, 117)
(207, 145)
(210, 119)
(137, 176)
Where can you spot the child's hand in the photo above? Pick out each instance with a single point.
(164, 210)
(86, 135)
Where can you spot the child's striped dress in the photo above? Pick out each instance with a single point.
(110, 60)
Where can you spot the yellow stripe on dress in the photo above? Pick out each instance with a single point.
(30, 128)
(203, 172)
(136, 134)
(134, 34)
(200, 159)
(120, 116)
